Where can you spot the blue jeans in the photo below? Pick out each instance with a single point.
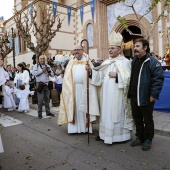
(59, 88)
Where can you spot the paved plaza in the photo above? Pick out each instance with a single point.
(34, 144)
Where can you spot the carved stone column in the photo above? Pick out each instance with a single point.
(102, 30)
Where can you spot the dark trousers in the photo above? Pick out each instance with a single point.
(43, 96)
(0, 95)
(143, 118)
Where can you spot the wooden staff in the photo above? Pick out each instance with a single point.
(87, 114)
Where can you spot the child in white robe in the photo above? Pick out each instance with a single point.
(23, 94)
(9, 102)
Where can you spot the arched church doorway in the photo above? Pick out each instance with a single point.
(128, 40)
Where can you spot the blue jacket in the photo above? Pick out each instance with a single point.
(150, 80)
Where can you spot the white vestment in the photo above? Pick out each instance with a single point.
(73, 104)
(80, 117)
(23, 96)
(3, 76)
(24, 77)
(113, 99)
(8, 98)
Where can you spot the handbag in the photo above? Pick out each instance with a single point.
(40, 87)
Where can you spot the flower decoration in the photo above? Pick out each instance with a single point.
(167, 56)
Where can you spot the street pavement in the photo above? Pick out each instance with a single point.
(40, 144)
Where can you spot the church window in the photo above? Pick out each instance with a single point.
(90, 34)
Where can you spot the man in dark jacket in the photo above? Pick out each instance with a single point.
(145, 85)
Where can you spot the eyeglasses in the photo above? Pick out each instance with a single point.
(78, 49)
(112, 48)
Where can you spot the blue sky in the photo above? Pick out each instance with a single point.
(6, 8)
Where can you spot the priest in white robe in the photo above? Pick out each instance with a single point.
(113, 77)
(3, 74)
(3, 77)
(73, 104)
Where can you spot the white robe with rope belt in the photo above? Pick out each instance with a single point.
(73, 104)
(80, 117)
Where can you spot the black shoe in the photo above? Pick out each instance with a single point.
(136, 142)
(147, 145)
(97, 138)
(40, 116)
(50, 114)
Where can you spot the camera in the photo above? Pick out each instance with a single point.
(48, 69)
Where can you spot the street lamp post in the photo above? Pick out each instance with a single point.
(13, 46)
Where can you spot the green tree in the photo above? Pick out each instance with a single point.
(37, 25)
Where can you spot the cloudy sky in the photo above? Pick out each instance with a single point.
(6, 8)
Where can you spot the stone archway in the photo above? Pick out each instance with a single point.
(131, 22)
(145, 25)
(129, 39)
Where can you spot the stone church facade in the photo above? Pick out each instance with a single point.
(96, 31)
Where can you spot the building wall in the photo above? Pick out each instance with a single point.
(70, 35)
(64, 39)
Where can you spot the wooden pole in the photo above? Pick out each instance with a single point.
(87, 114)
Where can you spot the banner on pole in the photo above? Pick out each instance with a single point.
(54, 8)
(2, 18)
(69, 14)
(81, 13)
(92, 5)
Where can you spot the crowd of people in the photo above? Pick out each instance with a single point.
(122, 92)
(22, 78)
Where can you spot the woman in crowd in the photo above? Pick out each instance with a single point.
(21, 77)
